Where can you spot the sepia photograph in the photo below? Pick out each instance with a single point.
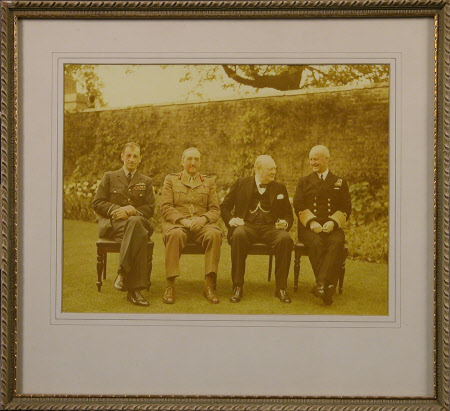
(226, 189)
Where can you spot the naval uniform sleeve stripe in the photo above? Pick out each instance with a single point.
(109, 210)
(306, 216)
(339, 218)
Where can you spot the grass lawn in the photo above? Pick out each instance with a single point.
(365, 285)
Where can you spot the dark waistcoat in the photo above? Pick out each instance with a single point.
(259, 208)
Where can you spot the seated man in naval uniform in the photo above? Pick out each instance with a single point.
(257, 209)
(322, 204)
(125, 202)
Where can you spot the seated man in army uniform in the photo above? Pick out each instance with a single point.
(322, 204)
(125, 201)
(190, 210)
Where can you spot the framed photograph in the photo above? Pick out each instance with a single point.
(153, 118)
(169, 108)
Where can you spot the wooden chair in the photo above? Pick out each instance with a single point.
(256, 249)
(105, 246)
(300, 249)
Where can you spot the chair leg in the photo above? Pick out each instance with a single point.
(100, 263)
(296, 269)
(105, 257)
(150, 264)
(341, 278)
(269, 275)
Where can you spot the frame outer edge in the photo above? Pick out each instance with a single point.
(227, 4)
(7, 336)
(443, 353)
(230, 406)
(7, 190)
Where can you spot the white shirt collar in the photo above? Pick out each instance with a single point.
(190, 178)
(325, 173)
(260, 189)
(128, 171)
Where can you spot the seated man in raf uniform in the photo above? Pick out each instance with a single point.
(322, 204)
(256, 209)
(190, 210)
(125, 201)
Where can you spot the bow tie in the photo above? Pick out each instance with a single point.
(262, 185)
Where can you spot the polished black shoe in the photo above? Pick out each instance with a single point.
(282, 295)
(119, 283)
(210, 295)
(319, 291)
(135, 297)
(328, 294)
(238, 293)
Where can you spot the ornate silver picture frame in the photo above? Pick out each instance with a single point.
(13, 227)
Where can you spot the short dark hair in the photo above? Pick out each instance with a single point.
(131, 144)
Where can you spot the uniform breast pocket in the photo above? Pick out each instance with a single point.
(138, 197)
(179, 195)
(138, 192)
(116, 192)
(116, 195)
(202, 195)
(116, 189)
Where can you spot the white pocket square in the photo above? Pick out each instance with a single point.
(280, 196)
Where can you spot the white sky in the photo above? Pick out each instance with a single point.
(152, 84)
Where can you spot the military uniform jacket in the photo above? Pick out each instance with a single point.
(322, 201)
(115, 192)
(236, 203)
(183, 199)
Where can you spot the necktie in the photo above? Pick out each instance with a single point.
(262, 185)
(321, 177)
(129, 176)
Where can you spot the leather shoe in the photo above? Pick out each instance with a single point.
(119, 283)
(282, 295)
(135, 297)
(319, 291)
(169, 295)
(328, 295)
(238, 293)
(210, 295)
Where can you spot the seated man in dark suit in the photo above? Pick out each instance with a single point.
(257, 208)
(322, 204)
(125, 201)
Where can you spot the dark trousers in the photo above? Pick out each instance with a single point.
(133, 234)
(325, 252)
(245, 235)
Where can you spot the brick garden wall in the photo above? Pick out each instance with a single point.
(352, 123)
